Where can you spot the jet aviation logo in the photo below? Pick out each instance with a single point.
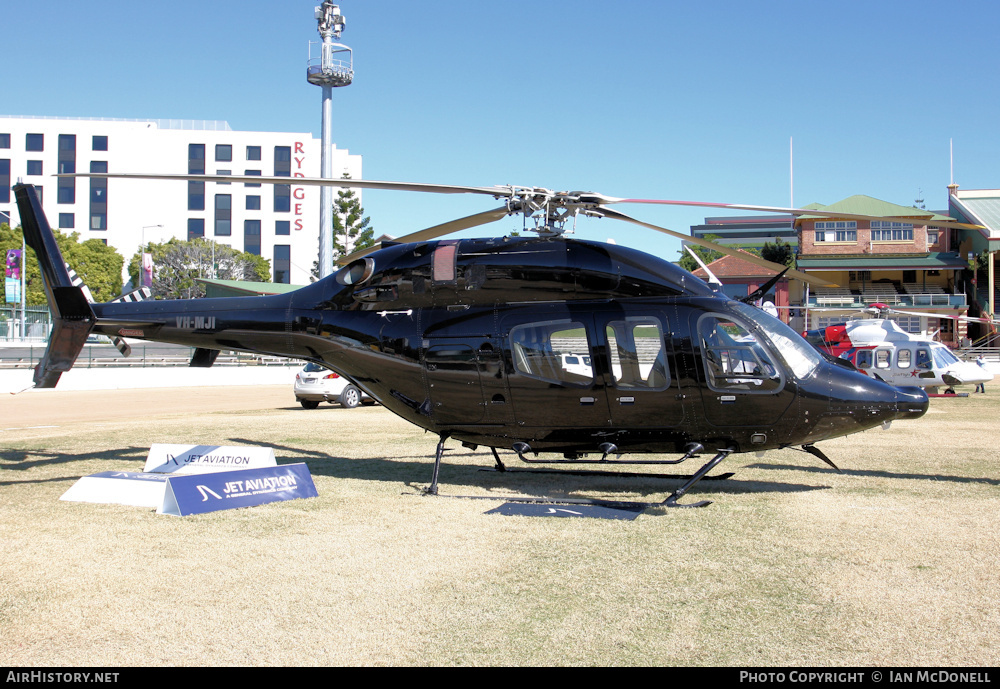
(204, 490)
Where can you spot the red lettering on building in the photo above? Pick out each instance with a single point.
(298, 147)
(299, 193)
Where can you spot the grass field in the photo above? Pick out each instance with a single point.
(893, 562)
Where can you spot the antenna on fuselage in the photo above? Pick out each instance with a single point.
(711, 276)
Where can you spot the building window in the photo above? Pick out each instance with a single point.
(253, 203)
(223, 172)
(67, 221)
(282, 168)
(251, 236)
(223, 215)
(223, 152)
(99, 143)
(859, 275)
(838, 231)
(4, 180)
(883, 231)
(282, 263)
(98, 221)
(282, 227)
(196, 228)
(4, 140)
(253, 152)
(98, 190)
(933, 236)
(196, 196)
(34, 142)
(252, 173)
(34, 167)
(196, 159)
(282, 198)
(66, 186)
(65, 193)
(5, 218)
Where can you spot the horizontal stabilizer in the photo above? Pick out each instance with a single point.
(140, 294)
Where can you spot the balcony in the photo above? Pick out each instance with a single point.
(847, 299)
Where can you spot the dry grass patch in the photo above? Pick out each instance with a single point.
(890, 563)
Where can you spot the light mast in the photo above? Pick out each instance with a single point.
(334, 67)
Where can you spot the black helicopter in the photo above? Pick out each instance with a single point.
(540, 344)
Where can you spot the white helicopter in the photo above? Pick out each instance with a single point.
(878, 347)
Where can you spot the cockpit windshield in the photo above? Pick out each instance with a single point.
(800, 356)
(943, 357)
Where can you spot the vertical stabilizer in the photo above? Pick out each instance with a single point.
(72, 316)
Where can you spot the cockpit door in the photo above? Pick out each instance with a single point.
(744, 382)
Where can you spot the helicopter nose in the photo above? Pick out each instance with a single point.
(911, 402)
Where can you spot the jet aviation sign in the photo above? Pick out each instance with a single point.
(172, 458)
(225, 490)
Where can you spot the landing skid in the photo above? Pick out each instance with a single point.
(622, 474)
(671, 500)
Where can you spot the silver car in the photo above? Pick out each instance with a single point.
(315, 384)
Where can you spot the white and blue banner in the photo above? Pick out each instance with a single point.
(172, 458)
(199, 493)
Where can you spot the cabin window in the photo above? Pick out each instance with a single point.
(864, 359)
(882, 357)
(904, 358)
(554, 351)
(638, 359)
(444, 262)
(923, 358)
(735, 359)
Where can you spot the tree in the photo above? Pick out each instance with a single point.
(688, 263)
(177, 263)
(779, 252)
(351, 231)
(97, 264)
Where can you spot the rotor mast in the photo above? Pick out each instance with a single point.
(333, 68)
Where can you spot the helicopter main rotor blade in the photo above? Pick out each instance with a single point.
(757, 260)
(498, 192)
(912, 220)
(437, 231)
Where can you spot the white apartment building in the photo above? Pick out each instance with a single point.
(279, 222)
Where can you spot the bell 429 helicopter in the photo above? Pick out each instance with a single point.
(878, 347)
(533, 344)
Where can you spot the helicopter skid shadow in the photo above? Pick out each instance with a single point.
(872, 473)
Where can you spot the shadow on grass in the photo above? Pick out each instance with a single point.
(22, 460)
(871, 473)
(518, 480)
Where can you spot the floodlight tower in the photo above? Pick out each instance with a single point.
(333, 67)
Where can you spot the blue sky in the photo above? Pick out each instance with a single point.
(693, 101)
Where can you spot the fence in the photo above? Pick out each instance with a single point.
(37, 324)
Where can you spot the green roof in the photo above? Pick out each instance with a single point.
(243, 288)
(933, 261)
(866, 205)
